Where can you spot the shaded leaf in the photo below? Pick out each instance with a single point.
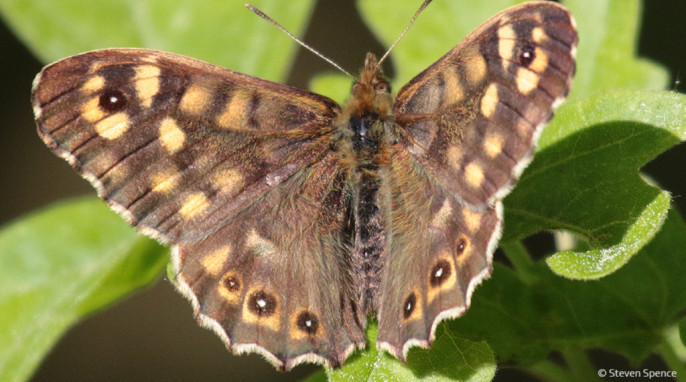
(625, 312)
(57, 268)
(585, 178)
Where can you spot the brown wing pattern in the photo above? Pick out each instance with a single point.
(440, 249)
(277, 278)
(176, 145)
(472, 118)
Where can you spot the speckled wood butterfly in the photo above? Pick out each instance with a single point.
(294, 220)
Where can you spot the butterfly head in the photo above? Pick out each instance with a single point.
(372, 91)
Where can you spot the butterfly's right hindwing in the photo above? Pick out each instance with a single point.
(176, 145)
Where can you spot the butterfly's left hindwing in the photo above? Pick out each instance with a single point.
(276, 279)
(176, 145)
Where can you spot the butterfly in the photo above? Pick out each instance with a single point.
(293, 220)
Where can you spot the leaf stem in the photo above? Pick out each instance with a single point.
(669, 353)
(520, 259)
(550, 371)
(580, 366)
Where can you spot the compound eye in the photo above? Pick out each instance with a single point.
(382, 87)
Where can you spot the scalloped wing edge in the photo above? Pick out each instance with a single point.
(238, 349)
(457, 311)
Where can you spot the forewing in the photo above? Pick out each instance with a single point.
(276, 279)
(472, 119)
(176, 145)
(440, 251)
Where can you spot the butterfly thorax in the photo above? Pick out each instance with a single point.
(367, 120)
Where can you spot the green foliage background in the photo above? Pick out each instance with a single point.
(66, 261)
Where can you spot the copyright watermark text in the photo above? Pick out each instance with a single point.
(645, 373)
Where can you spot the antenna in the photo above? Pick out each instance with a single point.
(421, 8)
(264, 16)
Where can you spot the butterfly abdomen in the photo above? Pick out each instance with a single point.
(366, 119)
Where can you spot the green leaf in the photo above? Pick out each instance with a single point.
(625, 312)
(451, 358)
(585, 178)
(222, 32)
(59, 265)
(608, 40)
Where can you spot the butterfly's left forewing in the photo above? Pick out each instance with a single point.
(176, 145)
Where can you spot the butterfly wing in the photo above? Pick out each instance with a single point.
(176, 145)
(277, 279)
(472, 118)
(235, 172)
(467, 127)
(440, 251)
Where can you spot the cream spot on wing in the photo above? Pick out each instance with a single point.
(171, 136)
(91, 110)
(489, 101)
(94, 84)
(147, 83)
(443, 214)
(539, 35)
(474, 174)
(507, 39)
(229, 180)
(471, 219)
(213, 262)
(475, 68)
(452, 89)
(524, 128)
(95, 66)
(194, 205)
(166, 180)
(235, 114)
(113, 126)
(493, 144)
(526, 80)
(455, 157)
(259, 244)
(540, 63)
(195, 98)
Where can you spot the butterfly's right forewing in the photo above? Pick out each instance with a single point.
(472, 118)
